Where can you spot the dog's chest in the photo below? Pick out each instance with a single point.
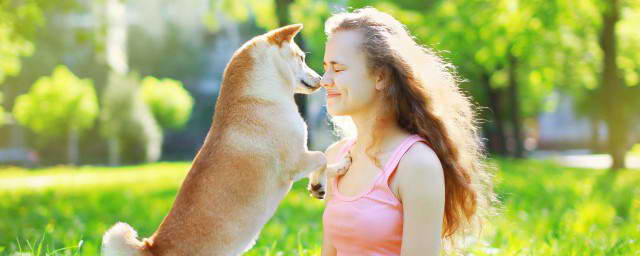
(295, 126)
(290, 122)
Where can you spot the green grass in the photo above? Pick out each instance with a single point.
(547, 210)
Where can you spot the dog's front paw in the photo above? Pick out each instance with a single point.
(317, 183)
(317, 190)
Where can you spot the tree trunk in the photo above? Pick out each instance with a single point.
(514, 110)
(495, 130)
(114, 151)
(116, 45)
(116, 50)
(611, 87)
(72, 147)
(595, 134)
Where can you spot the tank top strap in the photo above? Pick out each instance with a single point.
(392, 163)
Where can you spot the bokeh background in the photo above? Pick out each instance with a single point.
(104, 103)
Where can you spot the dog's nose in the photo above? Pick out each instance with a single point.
(321, 193)
(316, 187)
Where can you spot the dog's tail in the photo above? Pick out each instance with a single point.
(121, 240)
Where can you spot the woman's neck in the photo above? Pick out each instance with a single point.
(388, 131)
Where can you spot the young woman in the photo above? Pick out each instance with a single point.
(417, 174)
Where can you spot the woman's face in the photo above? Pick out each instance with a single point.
(350, 88)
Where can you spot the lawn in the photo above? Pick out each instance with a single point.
(546, 210)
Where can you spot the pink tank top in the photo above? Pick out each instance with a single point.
(369, 223)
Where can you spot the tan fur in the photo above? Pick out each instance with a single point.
(286, 34)
(254, 151)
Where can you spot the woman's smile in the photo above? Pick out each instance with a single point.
(332, 94)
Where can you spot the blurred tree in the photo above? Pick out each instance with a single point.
(611, 86)
(272, 14)
(117, 59)
(520, 48)
(616, 94)
(312, 14)
(84, 50)
(265, 12)
(169, 102)
(115, 42)
(147, 54)
(601, 53)
(58, 105)
(2, 114)
(50, 50)
(17, 21)
(502, 46)
(127, 120)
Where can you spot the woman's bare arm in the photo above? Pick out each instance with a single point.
(420, 180)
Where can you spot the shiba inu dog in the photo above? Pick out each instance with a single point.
(254, 151)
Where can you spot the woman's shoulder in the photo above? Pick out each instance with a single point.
(420, 157)
(420, 166)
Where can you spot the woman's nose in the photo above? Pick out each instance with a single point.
(326, 81)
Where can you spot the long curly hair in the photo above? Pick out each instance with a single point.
(424, 98)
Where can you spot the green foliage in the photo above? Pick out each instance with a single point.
(480, 37)
(2, 114)
(185, 53)
(57, 104)
(240, 11)
(629, 58)
(547, 210)
(582, 57)
(169, 101)
(564, 211)
(17, 21)
(312, 14)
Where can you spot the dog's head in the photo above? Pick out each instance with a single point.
(291, 60)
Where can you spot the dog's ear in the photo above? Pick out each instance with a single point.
(283, 34)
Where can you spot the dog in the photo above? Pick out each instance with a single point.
(254, 151)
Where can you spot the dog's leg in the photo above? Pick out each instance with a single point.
(341, 167)
(318, 180)
(312, 161)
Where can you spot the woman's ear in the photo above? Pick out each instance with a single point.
(381, 79)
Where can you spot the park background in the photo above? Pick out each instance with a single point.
(104, 103)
